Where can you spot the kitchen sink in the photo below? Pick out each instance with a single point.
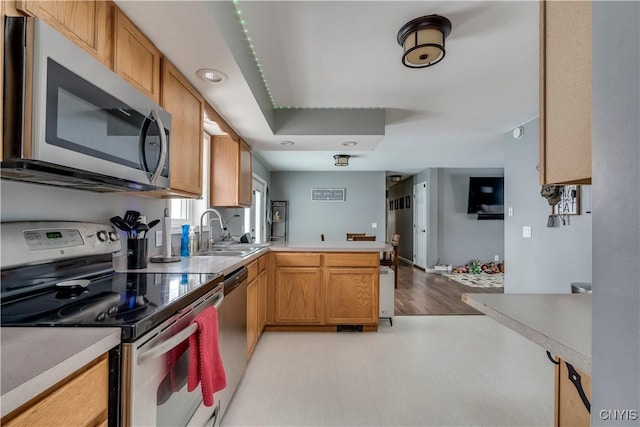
(230, 250)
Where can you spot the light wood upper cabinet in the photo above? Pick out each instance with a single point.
(565, 92)
(88, 23)
(185, 104)
(136, 59)
(231, 172)
(80, 400)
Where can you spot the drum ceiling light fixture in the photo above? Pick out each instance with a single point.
(423, 40)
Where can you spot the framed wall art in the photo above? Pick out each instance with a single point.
(407, 202)
(390, 205)
(328, 195)
(395, 204)
(569, 201)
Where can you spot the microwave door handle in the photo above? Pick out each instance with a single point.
(163, 148)
(175, 340)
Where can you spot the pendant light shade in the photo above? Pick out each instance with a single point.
(423, 40)
(395, 178)
(342, 159)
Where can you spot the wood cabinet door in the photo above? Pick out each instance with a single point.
(185, 104)
(565, 92)
(136, 59)
(225, 164)
(570, 410)
(352, 295)
(245, 196)
(252, 316)
(80, 400)
(298, 297)
(262, 301)
(88, 23)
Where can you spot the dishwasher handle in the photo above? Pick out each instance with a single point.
(235, 279)
(174, 341)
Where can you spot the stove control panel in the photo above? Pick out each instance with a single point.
(45, 241)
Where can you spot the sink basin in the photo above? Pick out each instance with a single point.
(229, 251)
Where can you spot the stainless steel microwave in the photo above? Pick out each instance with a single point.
(70, 121)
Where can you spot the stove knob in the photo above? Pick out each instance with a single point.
(102, 235)
(101, 317)
(113, 236)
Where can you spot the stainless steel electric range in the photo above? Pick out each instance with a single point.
(61, 274)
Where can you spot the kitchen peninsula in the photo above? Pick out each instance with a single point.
(560, 324)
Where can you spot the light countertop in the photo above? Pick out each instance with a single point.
(34, 359)
(559, 323)
(227, 264)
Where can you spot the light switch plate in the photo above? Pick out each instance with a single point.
(374, 225)
(526, 231)
(158, 238)
(510, 211)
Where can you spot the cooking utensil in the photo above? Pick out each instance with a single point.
(141, 229)
(153, 223)
(131, 217)
(121, 224)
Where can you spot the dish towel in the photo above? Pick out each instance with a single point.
(205, 363)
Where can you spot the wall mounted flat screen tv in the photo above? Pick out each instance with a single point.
(486, 197)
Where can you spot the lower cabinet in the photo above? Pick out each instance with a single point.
(252, 316)
(323, 290)
(570, 409)
(298, 295)
(256, 302)
(80, 400)
(352, 295)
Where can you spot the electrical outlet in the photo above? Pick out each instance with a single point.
(496, 258)
(158, 238)
(510, 211)
(374, 225)
(526, 231)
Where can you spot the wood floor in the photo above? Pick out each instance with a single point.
(427, 293)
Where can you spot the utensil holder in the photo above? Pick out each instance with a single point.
(136, 253)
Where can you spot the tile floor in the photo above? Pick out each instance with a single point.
(423, 371)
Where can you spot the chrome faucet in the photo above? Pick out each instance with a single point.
(219, 219)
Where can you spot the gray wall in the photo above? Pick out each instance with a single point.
(260, 169)
(616, 210)
(461, 236)
(364, 205)
(27, 202)
(553, 257)
(401, 220)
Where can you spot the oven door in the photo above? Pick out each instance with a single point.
(155, 370)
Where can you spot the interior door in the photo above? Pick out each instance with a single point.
(420, 225)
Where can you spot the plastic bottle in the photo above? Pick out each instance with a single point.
(184, 242)
(193, 245)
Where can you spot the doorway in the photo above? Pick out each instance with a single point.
(256, 216)
(420, 225)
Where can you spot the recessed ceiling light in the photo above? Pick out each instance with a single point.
(212, 76)
(350, 144)
(287, 143)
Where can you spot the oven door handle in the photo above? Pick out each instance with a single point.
(175, 340)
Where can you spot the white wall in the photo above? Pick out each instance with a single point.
(616, 211)
(553, 257)
(31, 202)
(364, 205)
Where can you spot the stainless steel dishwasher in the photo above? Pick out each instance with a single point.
(233, 334)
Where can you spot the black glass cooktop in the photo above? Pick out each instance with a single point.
(135, 302)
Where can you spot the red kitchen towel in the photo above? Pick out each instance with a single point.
(205, 363)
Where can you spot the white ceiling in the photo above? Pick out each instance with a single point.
(344, 54)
